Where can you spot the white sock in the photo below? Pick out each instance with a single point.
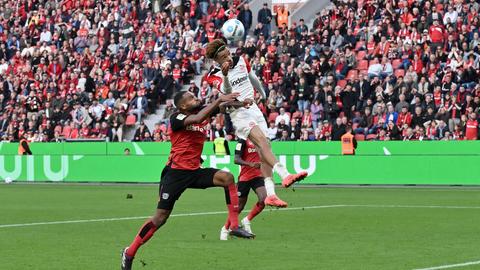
(269, 186)
(281, 170)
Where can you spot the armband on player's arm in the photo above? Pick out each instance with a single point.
(257, 84)
(238, 154)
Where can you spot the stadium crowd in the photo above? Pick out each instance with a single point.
(393, 70)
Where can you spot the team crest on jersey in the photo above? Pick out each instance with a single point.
(242, 68)
(181, 116)
(165, 196)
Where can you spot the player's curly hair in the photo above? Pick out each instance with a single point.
(214, 47)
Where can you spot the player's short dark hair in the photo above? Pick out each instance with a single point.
(178, 98)
(213, 48)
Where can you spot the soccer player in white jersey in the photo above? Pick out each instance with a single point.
(233, 74)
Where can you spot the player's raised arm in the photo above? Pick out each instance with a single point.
(257, 84)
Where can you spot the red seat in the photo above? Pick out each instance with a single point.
(352, 74)
(342, 83)
(131, 120)
(272, 116)
(359, 137)
(361, 55)
(371, 137)
(399, 73)
(362, 65)
(396, 63)
(297, 114)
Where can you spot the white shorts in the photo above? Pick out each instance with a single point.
(244, 120)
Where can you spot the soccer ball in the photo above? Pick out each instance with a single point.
(8, 180)
(233, 30)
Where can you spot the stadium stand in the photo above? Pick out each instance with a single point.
(394, 70)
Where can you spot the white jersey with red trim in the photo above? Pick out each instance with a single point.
(238, 77)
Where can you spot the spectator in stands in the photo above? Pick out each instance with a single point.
(264, 18)
(283, 116)
(139, 105)
(426, 57)
(141, 131)
(246, 17)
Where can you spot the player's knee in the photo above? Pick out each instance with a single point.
(160, 218)
(261, 201)
(223, 179)
(228, 179)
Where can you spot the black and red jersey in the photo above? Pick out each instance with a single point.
(187, 143)
(247, 151)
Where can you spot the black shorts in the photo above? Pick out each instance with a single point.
(175, 181)
(244, 187)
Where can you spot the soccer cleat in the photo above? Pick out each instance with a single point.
(224, 234)
(241, 233)
(127, 261)
(273, 200)
(292, 178)
(246, 225)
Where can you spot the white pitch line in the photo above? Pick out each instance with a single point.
(450, 266)
(412, 206)
(144, 217)
(224, 212)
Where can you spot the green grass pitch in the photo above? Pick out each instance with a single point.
(360, 228)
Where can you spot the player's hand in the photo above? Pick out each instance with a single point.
(228, 97)
(256, 165)
(226, 67)
(247, 103)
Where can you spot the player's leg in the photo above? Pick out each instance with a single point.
(210, 177)
(172, 185)
(267, 172)
(257, 136)
(243, 190)
(258, 185)
(144, 234)
(260, 205)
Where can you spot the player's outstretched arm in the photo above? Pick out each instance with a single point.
(257, 84)
(205, 112)
(241, 162)
(236, 104)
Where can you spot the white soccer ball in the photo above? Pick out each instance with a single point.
(8, 180)
(233, 30)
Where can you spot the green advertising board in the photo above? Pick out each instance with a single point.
(395, 162)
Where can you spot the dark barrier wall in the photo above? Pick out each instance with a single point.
(439, 163)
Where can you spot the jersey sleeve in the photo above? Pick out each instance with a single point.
(213, 78)
(241, 144)
(177, 121)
